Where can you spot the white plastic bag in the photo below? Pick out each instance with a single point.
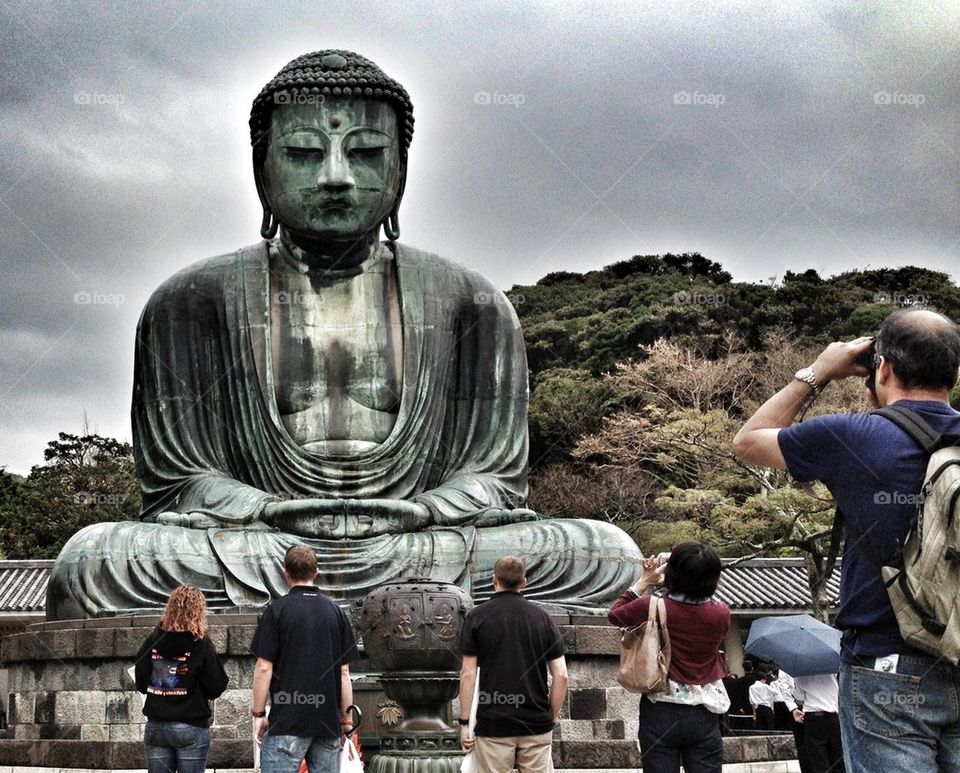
(350, 758)
(469, 764)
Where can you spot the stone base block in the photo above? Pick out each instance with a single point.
(73, 705)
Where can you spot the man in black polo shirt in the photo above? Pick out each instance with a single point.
(514, 643)
(303, 645)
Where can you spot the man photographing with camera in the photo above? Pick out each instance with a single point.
(899, 707)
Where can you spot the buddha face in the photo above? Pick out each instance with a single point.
(332, 170)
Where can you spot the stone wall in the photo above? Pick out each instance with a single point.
(73, 704)
(69, 680)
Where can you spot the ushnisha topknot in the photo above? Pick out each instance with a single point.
(328, 73)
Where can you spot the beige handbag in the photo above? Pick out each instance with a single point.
(645, 652)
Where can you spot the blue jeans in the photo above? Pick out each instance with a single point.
(284, 753)
(907, 721)
(176, 747)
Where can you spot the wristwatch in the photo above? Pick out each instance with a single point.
(463, 722)
(258, 714)
(807, 376)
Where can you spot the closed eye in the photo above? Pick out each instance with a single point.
(367, 154)
(302, 154)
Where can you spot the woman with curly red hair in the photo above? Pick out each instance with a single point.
(180, 672)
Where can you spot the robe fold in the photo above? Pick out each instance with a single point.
(209, 442)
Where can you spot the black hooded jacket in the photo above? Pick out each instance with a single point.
(179, 676)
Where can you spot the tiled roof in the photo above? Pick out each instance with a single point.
(757, 584)
(23, 585)
(771, 583)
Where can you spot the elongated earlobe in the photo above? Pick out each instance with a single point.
(269, 225)
(391, 226)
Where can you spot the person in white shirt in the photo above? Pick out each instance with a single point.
(762, 696)
(788, 695)
(823, 748)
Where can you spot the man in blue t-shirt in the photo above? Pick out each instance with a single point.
(899, 708)
(304, 645)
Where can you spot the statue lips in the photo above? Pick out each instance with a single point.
(324, 203)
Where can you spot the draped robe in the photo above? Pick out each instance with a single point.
(209, 441)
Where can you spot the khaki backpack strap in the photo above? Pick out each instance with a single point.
(915, 426)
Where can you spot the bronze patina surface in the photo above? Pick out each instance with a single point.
(323, 387)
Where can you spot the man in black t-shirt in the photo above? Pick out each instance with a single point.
(514, 643)
(304, 645)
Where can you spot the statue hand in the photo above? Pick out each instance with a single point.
(498, 516)
(188, 520)
(202, 520)
(346, 518)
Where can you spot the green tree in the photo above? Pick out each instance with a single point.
(84, 479)
(662, 466)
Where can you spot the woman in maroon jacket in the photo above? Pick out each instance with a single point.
(682, 724)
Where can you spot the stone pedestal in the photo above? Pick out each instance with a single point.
(72, 704)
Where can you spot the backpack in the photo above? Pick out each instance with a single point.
(924, 583)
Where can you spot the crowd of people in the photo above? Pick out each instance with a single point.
(304, 645)
(892, 707)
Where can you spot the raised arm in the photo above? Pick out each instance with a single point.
(757, 441)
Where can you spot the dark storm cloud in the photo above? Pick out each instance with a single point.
(549, 136)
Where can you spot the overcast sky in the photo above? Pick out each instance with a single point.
(549, 136)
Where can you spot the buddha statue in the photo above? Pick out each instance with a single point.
(327, 388)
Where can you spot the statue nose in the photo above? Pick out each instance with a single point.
(335, 171)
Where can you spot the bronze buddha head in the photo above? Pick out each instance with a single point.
(330, 135)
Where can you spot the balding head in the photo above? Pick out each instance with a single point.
(923, 348)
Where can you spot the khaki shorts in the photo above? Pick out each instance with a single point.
(529, 753)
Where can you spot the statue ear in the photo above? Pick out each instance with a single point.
(391, 225)
(269, 224)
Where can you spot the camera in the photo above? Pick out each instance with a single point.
(869, 361)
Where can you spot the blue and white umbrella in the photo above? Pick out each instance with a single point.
(798, 644)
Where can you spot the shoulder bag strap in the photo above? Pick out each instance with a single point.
(915, 426)
(652, 609)
(662, 610)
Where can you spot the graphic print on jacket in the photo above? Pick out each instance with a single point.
(168, 673)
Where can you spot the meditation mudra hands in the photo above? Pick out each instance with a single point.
(347, 518)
